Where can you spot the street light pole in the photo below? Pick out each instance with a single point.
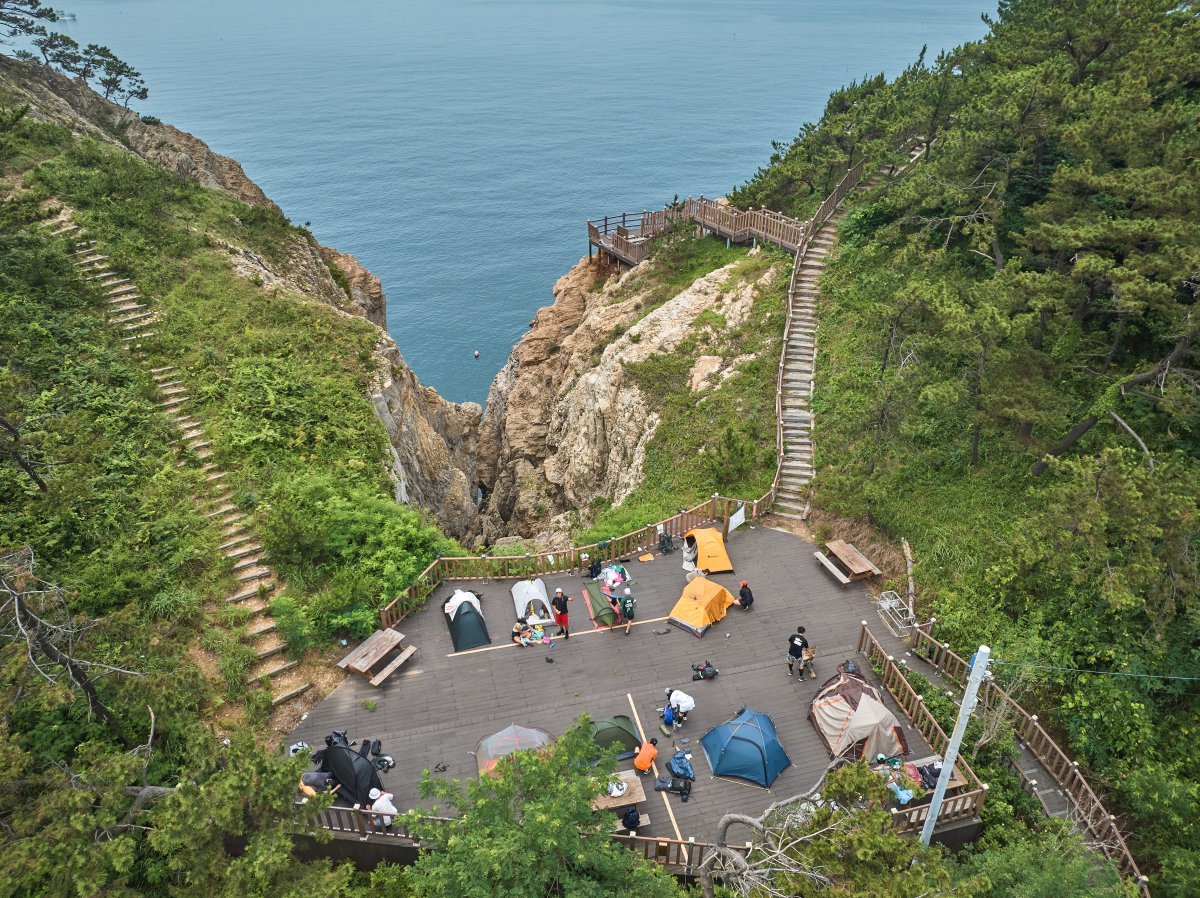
(978, 668)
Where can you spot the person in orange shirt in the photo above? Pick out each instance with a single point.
(645, 756)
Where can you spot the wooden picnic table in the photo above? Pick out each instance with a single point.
(634, 794)
(371, 652)
(857, 565)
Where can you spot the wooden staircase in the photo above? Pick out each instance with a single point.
(256, 582)
(796, 466)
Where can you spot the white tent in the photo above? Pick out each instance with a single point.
(531, 603)
(460, 596)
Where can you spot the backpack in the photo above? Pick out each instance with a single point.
(675, 784)
(632, 819)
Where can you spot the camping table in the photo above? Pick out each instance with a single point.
(371, 652)
(856, 564)
(635, 794)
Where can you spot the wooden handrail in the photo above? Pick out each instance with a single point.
(1100, 823)
(960, 806)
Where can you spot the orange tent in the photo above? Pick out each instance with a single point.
(702, 604)
(710, 550)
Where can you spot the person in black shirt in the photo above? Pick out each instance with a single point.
(745, 597)
(559, 604)
(796, 646)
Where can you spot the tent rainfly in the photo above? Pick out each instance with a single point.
(531, 602)
(356, 774)
(512, 738)
(619, 731)
(600, 610)
(851, 719)
(701, 605)
(708, 549)
(464, 618)
(747, 748)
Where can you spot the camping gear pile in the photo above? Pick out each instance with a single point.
(704, 550)
(679, 776)
(532, 603)
(701, 605)
(704, 671)
(464, 619)
(353, 770)
(510, 739)
(614, 575)
(851, 719)
(746, 747)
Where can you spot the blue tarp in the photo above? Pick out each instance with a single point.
(747, 748)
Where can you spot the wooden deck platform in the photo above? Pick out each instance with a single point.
(437, 708)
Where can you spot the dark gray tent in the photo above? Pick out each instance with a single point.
(357, 775)
(619, 731)
(464, 619)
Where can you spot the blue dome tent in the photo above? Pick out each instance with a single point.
(747, 748)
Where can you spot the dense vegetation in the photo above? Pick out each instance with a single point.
(1007, 375)
(90, 481)
(723, 439)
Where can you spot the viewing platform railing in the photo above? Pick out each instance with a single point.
(1101, 826)
(964, 805)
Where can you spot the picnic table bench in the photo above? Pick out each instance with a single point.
(378, 646)
(846, 562)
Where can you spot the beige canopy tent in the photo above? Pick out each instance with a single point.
(849, 715)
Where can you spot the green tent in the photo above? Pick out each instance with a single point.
(599, 610)
(619, 731)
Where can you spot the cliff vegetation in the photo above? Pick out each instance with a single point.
(1008, 376)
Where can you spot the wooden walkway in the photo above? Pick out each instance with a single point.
(435, 711)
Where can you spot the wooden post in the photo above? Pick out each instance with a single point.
(725, 522)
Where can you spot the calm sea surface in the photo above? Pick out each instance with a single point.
(457, 146)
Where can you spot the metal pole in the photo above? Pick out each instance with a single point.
(978, 669)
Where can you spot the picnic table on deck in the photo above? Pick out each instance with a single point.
(854, 562)
(634, 794)
(380, 644)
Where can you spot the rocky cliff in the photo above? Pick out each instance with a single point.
(433, 441)
(566, 424)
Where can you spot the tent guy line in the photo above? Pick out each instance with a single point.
(654, 764)
(574, 635)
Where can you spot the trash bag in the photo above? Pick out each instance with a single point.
(680, 766)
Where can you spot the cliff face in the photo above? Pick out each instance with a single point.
(566, 424)
(433, 441)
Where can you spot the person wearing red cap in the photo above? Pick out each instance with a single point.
(745, 597)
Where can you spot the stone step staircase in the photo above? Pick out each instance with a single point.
(799, 361)
(128, 311)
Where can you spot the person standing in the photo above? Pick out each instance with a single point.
(745, 597)
(796, 647)
(628, 606)
(559, 604)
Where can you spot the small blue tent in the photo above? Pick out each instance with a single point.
(747, 748)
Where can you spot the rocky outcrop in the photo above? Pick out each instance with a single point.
(566, 424)
(433, 441)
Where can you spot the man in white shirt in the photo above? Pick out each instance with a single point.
(381, 804)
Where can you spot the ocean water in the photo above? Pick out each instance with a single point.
(457, 147)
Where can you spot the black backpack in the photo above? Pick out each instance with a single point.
(632, 819)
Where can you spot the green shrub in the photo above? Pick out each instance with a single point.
(174, 604)
(292, 624)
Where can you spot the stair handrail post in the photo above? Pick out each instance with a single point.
(978, 669)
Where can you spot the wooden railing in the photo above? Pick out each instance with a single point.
(363, 823)
(1093, 816)
(963, 805)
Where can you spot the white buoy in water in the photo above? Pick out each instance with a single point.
(476, 353)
